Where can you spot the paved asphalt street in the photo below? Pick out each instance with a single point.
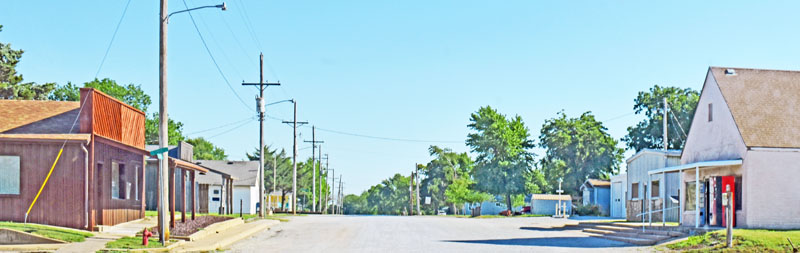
(328, 233)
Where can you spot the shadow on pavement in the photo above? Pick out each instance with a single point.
(550, 228)
(568, 242)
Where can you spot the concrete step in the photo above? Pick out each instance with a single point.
(641, 235)
(597, 231)
(612, 228)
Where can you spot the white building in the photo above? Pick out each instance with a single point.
(245, 185)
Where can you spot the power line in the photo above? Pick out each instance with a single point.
(678, 123)
(124, 11)
(214, 60)
(229, 130)
(221, 126)
(375, 137)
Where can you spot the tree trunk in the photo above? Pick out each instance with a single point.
(508, 202)
(283, 199)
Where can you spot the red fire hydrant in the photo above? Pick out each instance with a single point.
(146, 234)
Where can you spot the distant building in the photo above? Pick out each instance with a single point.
(245, 184)
(640, 198)
(597, 192)
(546, 203)
(618, 193)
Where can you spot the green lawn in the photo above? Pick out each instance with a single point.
(135, 243)
(66, 235)
(744, 240)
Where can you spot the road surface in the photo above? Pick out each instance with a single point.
(315, 233)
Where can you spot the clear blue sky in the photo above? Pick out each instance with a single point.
(400, 69)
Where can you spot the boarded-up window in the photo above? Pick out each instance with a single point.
(118, 185)
(738, 194)
(654, 189)
(710, 112)
(690, 201)
(635, 191)
(9, 169)
(136, 182)
(215, 199)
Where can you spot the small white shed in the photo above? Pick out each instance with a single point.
(618, 193)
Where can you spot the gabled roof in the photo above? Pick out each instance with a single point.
(566, 197)
(245, 173)
(597, 183)
(19, 113)
(765, 104)
(660, 152)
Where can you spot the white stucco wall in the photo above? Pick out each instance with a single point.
(715, 140)
(773, 198)
(718, 139)
(248, 197)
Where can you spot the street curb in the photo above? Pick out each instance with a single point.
(164, 249)
(211, 229)
(225, 242)
(32, 247)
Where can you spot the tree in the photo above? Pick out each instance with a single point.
(502, 146)
(440, 172)
(174, 130)
(11, 83)
(649, 133)
(460, 192)
(205, 150)
(130, 94)
(283, 170)
(577, 149)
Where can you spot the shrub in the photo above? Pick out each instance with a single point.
(592, 210)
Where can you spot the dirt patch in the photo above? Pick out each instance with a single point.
(192, 226)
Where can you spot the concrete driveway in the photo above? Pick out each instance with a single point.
(424, 234)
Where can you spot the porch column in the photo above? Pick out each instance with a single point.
(172, 197)
(663, 199)
(183, 195)
(194, 196)
(648, 196)
(230, 195)
(696, 197)
(681, 191)
(222, 199)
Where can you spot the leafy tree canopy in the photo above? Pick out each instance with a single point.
(577, 149)
(11, 82)
(649, 133)
(502, 146)
(205, 150)
(130, 94)
(440, 172)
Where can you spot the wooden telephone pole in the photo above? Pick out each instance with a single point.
(314, 142)
(262, 108)
(294, 157)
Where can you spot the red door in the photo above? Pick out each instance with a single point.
(729, 182)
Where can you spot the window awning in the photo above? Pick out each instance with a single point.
(702, 164)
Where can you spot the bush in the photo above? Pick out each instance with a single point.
(591, 210)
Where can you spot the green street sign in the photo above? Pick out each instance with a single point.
(159, 151)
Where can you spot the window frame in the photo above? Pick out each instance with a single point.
(710, 112)
(121, 182)
(637, 191)
(655, 184)
(19, 178)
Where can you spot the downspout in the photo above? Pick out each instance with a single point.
(86, 185)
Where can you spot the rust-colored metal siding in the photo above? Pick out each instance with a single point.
(62, 200)
(113, 119)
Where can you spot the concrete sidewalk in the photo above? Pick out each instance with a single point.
(226, 238)
(109, 234)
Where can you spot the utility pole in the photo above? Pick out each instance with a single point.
(294, 157)
(163, 141)
(320, 177)
(324, 204)
(314, 168)
(666, 112)
(339, 197)
(411, 194)
(274, 177)
(416, 168)
(262, 108)
(331, 190)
